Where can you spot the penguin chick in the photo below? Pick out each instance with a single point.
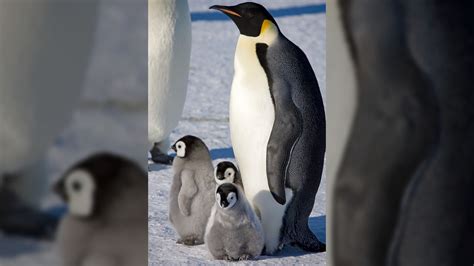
(234, 232)
(107, 221)
(192, 190)
(227, 172)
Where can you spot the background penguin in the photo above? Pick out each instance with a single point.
(108, 216)
(169, 51)
(234, 231)
(45, 47)
(227, 172)
(276, 94)
(403, 185)
(192, 190)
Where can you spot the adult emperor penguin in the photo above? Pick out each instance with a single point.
(107, 221)
(403, 182)
(169, 51)
(277, 125)
(44, 50)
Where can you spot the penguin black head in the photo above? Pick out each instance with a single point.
(227, 195)
(89, 186)
(252, 19)
(190, 147)
(225, 172)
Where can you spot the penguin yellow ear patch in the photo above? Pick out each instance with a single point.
(265, 25)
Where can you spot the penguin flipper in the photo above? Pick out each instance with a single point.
(286, 130)
(187, 192)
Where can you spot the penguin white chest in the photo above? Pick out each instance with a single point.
(251, 117)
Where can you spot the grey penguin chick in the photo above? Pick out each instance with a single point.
(107, 219)
(227, 172)
(192, 190)
(234, 232)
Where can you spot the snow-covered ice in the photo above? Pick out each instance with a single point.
(206, 116)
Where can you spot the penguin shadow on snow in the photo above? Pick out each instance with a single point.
(219, 153)
(222, 153)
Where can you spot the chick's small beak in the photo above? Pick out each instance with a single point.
(226, 9)
(58, 189)
(174, 148)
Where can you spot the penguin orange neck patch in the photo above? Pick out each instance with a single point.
(265, 25)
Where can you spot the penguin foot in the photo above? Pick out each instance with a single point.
(246, 257)
(190, 241)
(17, 218)
(314, 246)
(159, 157)
(230, 258)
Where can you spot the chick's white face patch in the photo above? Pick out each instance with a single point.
(218, 198)
(231, 199)
(229, 175)
(180, 149)
(80, 187)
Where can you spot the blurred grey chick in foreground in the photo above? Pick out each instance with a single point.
(107, 219)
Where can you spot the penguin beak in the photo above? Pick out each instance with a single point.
(224, 204)
(59, 190)
(174, 148)
(228, 10)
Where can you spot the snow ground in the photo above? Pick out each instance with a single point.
(206, 116)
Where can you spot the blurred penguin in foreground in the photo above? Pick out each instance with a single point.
(44, 51)
(107, 220)
(169, 52)
(401, 110)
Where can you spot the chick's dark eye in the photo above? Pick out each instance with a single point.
(179, 146)
(76, 186)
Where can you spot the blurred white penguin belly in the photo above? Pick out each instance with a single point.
(41, 82)
(169, 49)
(252, 115)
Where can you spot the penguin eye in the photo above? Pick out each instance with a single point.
(179, 146)
(76, 186)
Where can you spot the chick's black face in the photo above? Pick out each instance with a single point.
(189, 146)
(221, 173)
(248, 17)
(92, 183)
(227, 195)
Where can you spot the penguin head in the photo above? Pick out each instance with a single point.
(227, 195)
(89, 186)
(190, 147)
(225, 172)
(252, 19)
